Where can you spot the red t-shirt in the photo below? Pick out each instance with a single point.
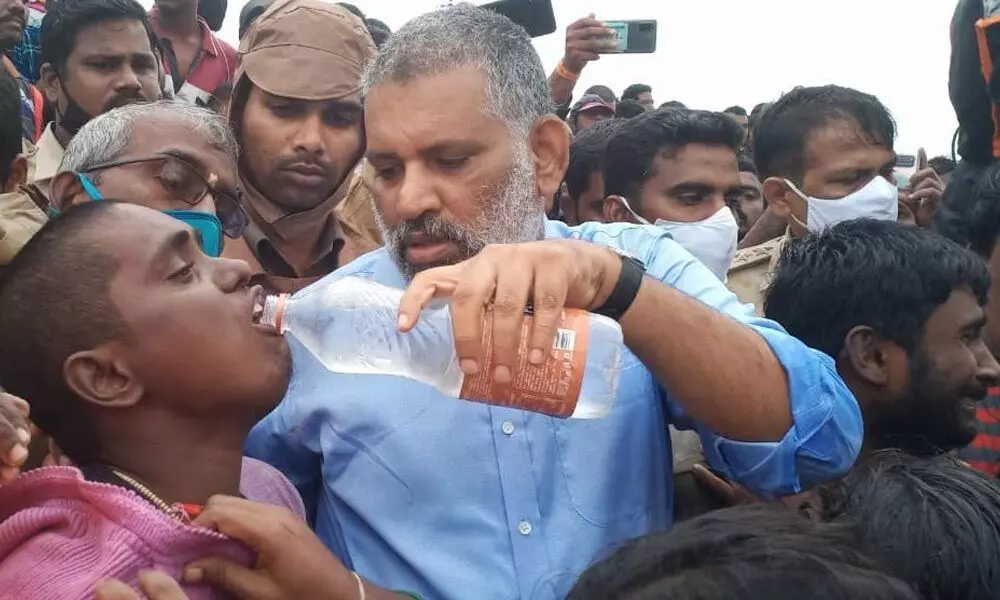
(214, 65)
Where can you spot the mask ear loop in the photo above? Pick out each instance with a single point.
(804, 198)
(628, 207)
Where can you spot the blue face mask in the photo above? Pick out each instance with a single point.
(206, 225)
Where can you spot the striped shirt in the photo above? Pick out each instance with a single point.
(983, 454)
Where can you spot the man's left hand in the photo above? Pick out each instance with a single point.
(154, 585)
(925, 192)
(551, 274)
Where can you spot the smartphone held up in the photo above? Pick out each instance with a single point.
(634, 37)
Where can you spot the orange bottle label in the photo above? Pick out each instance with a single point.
(552, 387)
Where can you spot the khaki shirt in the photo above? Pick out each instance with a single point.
(20, 219)
(752, 269)
(46, 156)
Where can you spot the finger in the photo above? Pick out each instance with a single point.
(8, 474)
(922, 176)
(921, 159)
(468, 306)
(509, 302)
(548, 300)
(923, 196)
(160, 586)
(114, 590)
(14, 430)
(585, 23)
(596, 31)
(240, 519)
(19, 405)
(586, 56)
(228, 575)
(433, 283)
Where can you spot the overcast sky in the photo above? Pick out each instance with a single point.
(895, 49)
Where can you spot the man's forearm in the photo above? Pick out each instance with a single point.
(561, 89)
(722, 372)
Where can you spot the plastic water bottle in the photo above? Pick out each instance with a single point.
(351, 327)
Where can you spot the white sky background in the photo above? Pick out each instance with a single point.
(897, 50)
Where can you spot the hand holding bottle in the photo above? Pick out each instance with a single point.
(551, 274)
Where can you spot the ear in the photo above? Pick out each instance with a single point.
(550, 150)
(776, 193)
(100, 377)
(18, 174)
(66, 191)
(615, 211)
(868, 356)
(51, 86)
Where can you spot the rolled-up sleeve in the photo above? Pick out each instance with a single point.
(826, 431)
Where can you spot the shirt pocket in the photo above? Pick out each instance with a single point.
(607, 463)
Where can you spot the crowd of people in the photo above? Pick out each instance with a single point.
(806, 404)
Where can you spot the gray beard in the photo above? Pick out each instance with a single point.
(510, 215)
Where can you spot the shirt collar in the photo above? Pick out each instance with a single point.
(208, 45)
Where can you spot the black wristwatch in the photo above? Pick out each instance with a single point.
(626, 289)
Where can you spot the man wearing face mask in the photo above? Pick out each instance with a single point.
(674, 169)
(97, 55)
(825, 155)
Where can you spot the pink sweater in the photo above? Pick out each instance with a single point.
(61, 534)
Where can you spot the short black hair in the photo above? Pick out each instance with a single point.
(980, 223)
(64, 20)
(606, 93)
(11, 131)
(628, 109)
(931, 521)
(352, 9)
(54, 302)
(586, 154)
(635, 90)
(735, 110)
(629, 156)
(379, 31)
(746, 164)
(673, 104)
(942, 165)
(752, 552)
(882, 275)
(214, 12)
(781, 136)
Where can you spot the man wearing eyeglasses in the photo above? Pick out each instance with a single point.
(296, 110)
(167, 155)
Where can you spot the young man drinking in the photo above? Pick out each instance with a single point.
(140, 357)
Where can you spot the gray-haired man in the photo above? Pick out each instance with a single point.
(461, 500)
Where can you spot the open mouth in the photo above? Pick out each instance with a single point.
(258, 304)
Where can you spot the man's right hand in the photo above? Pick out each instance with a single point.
(15, 435)
(586, 40)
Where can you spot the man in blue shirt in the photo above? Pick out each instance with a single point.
(459, 500)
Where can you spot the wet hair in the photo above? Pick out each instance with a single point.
(629, 156)
(931, 521)
(64, 20)
(516, 86)
(752, 552)
(746, 164)
(673, 104)
(739, 111)
(54, 302)
(781, 136)
(635, 90)
(882, 275)
(628, 109)
(606, 93)
(586, 154)
(11, 132)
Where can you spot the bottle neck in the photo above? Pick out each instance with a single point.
(274, 312)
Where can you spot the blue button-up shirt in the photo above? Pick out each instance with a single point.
(458, 500)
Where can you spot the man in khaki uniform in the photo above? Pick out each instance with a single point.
(825, 155)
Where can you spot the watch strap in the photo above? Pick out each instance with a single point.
(625, 290)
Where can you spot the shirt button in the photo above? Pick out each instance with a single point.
(524, 528)
(507, 427)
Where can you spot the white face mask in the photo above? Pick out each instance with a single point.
(877, 200)
(712, 241)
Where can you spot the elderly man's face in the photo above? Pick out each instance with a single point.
(155, 183)
(450, 177)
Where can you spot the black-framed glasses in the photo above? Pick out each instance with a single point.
(185, 182)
